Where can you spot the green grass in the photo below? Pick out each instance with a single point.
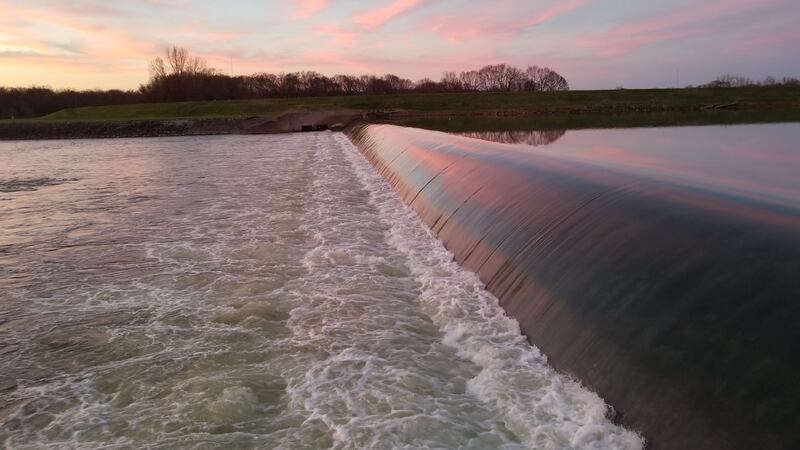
(772, 98)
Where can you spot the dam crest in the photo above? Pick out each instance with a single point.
(672, 296)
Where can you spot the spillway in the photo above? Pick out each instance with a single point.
(675, 296)
(266, 292)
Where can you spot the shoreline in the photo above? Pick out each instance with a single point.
(120, 129)
(335, 119)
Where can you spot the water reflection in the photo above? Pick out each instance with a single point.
(529, 137)
(659, 266)
(28, 184)
(205, 292)
(755, 161)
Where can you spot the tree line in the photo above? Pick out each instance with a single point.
(733, 81)
(183, 77)
(39, 101)
(180, 76)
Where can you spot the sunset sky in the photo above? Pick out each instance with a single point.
(593, 43)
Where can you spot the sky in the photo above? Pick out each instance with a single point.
(595, 44)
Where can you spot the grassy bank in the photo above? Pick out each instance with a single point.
(572, 102)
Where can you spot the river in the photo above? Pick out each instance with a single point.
(253, 292)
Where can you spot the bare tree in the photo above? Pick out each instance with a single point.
(500, 77)
(157, 68)
(470, 80)
(511, 78)
(451, 82)
(427, 85)
(533, 78)
(179, 76)
(487, 79)
(728, 81)
(290, 84)
(179, 63)
(397, 84)
(552, 81)
(265, 84)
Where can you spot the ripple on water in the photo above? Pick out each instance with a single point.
(257, 292)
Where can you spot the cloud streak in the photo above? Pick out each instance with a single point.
(310, 8)
(377, 18)
(473, 26)
(109, 43)
(703, 20)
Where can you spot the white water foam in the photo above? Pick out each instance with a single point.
(273, 292)
(544, 408)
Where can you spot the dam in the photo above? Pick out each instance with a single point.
(395, 287)
(253, 292)
(666, 281)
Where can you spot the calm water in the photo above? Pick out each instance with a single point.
(760, 161)
(252, 292)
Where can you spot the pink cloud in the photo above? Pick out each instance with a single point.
(329, 62)
(198, 33)
(678, 24)
(465, 28)
(555, 12)
(310, 8)
(69, 49)
(377, 18)
(766, 43)
(340, 36)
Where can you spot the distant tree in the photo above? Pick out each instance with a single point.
(178, 76)
(553, 81)
(729, 81)
(451, 82)
(734, 81)
(470, 80)
(426, 85)
(544, 79)
(290, 84)
(38, 101)
(534, 76)
(492, 77)
(513, 78)
(374, 85)
(348, 84)
(264, 84)
(397, 84)
(182, 63)
(178, 63)
(314, 84)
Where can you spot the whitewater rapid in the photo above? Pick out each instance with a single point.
(255, 292)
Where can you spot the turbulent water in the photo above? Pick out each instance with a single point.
(252, 292)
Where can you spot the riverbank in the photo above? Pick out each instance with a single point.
(116, 128)
(581, 109)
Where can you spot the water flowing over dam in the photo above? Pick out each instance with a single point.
(253, 292)
(670, 287)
